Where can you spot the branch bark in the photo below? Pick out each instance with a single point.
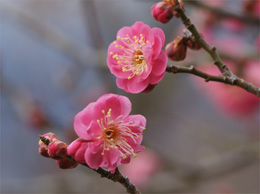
(229, 77)
(192, 70)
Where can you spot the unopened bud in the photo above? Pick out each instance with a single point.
(51, 137)
(176, 50)
(66, 163)
(43, 149)
(193, 44)
(57, 150)
(162, 11)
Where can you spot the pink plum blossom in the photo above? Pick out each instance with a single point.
(77, 150)
(112, 134)
(162, 11)
(136, 58)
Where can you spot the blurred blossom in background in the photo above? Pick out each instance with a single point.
(53, 63)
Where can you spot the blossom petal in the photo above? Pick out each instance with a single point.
(122, 84)
(123, 32)
(114, 67)
(120, 105)
(126, 161)
(141, 28)
(134, 88)
(159, 65)
(155, 79)
(139, 120)
(157, 47)
(77, 149)
(94, 159)
(82, 121)
(159, 33)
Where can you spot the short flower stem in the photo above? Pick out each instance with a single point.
(229, 77)
(116, 177)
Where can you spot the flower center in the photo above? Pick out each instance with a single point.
(132, 59)
(115, 133)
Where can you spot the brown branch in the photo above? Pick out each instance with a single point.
(230, 78)
(248, 19)
(116, 177)
(192, 70)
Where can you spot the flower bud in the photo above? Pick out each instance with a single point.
(43, 149)
(176, 50)
(162, 11)
(77, 150)
(51, 137)
(66, 163)
(57, 150)
(193, 44)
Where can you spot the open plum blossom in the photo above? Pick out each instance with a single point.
(136, 58)
(109, 136)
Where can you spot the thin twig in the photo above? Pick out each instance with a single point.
(230, 78)
(194, 71)
(116, 177)
(248, 19)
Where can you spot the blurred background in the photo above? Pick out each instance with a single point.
(200, 138)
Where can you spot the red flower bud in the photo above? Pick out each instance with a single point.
(176, 50)
(57, 150)
(193, 44)
(43, 149)
(66, 163)
(51, 137)
(162, 11)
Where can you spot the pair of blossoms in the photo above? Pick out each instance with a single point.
(108, 135)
